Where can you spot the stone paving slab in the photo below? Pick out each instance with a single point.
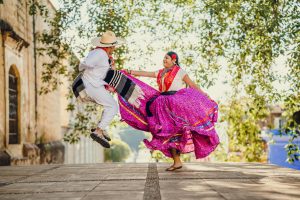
(187, 189)
(121, 185)
(56, 196)
(229, 181)
(149, 181)
(206, 175)
(64, 177)
(113, 195)
(9, 179)
(26, 169)
(127, 176)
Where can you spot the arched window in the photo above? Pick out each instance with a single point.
(13, 106)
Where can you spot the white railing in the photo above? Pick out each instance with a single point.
(85, 151)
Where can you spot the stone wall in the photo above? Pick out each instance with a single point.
(2, 97)
(39, 121)
(52, 153)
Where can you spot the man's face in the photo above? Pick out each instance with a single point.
(111, 50)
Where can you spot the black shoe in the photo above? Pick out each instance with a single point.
(172, 168)
(106, 137)
(100, 140)
(104, 134)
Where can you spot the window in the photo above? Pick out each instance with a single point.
(278, 122)
(13, 107)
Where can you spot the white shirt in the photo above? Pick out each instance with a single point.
(95, 66)
(178, 82)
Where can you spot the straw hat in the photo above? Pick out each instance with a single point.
(108, 39)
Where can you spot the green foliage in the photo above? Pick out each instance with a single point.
(35, 6)
(292, 98)
(158, 156)
(85, 119)
(254, 34)
(57, 43)
(118, 152)
(243, 117)
(221, 154)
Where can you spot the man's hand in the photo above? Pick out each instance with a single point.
(110, 89)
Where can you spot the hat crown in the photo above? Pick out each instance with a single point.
(108, 37)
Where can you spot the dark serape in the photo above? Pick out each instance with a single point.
(123, 86)
(78, 85)
(79, 90)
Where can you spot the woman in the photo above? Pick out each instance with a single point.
(181, 120)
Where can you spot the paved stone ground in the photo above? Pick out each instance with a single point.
(149, 181)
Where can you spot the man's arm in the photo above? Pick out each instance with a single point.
(94, 59)
(83, 66)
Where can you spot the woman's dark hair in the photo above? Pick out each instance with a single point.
(174, 55)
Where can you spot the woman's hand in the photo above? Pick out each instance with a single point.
(128, 71)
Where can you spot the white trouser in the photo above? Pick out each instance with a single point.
(102, 97)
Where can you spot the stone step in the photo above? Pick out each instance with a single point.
(24, 161)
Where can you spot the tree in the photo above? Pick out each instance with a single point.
(244, 130)
(118, 152)
(254, 34)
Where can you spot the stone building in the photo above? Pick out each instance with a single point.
(31, 125)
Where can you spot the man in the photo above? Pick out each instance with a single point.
(91, 85)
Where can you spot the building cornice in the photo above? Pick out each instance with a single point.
(7, 30)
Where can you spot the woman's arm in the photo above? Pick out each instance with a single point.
(142, 73)
(192, 84)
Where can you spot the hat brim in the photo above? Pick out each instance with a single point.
(96, 42)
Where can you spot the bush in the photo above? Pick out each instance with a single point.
(118, 152)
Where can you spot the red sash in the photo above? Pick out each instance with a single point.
(168, 78)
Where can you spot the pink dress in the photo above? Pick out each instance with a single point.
(177, 117)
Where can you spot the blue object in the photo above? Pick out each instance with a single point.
(275, 132)
(276, 152)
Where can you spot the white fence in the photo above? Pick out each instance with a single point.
(85, 151)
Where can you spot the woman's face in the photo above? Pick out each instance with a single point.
(168, 62)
